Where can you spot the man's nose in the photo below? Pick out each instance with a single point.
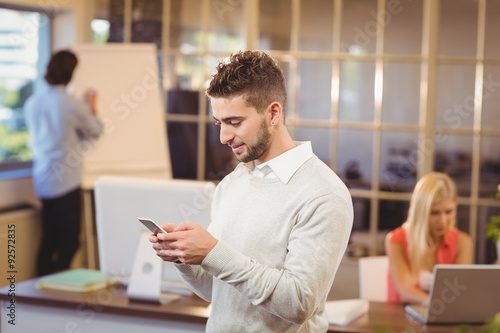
(226, 134)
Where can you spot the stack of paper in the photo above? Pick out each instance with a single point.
(343, 312)
(79, 280)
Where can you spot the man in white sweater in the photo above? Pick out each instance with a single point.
(280, 221)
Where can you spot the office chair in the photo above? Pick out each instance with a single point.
(373, 272)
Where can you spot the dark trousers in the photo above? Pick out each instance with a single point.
(61, 219)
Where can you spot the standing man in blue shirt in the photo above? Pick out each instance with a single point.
(61, 128)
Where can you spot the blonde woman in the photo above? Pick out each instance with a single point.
(428, 237)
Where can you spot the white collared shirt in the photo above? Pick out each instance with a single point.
(284, 165)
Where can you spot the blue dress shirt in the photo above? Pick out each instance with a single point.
(62, 129)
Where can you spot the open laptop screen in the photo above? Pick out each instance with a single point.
(464, 294)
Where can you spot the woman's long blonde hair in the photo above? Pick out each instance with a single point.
(431, 189)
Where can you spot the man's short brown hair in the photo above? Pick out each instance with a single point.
(251, 74)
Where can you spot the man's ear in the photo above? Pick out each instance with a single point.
(276, 111)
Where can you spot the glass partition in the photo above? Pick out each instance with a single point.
(357, 91)
(453, 155)
(359, 27)
(314, 94)
(455, 95)
(401, 96)
(320, 138)
(275, 23)
(458, 22)
(355, 157)
(403, 27)
(491, 98)
(399, 157)
(316, 26)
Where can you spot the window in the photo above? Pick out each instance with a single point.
(24, 46)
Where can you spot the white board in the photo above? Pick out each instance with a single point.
(131, 105)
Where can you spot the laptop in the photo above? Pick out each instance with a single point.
(460, 294)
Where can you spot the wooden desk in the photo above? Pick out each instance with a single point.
(110, 310)
(107, 310)
(391, 318)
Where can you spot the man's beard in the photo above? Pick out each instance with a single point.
(257, 150)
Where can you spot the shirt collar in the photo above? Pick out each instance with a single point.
(58, 87)
(286, 164)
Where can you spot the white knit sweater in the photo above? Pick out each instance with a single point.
(279, 248)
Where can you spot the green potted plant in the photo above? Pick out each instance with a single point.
(493, 228)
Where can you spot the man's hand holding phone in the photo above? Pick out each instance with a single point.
(187, 243)
(159, 245)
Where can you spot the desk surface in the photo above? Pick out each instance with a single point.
(112, 300)
(391, 318)
(381, 317)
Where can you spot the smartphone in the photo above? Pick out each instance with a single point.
(151, 225)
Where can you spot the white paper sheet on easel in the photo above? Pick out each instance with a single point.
(130, 103)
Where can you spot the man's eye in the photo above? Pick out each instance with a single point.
(235, 123)
(217, 123)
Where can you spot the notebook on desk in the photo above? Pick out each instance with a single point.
(461, 294)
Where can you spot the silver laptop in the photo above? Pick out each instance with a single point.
(461, 294)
